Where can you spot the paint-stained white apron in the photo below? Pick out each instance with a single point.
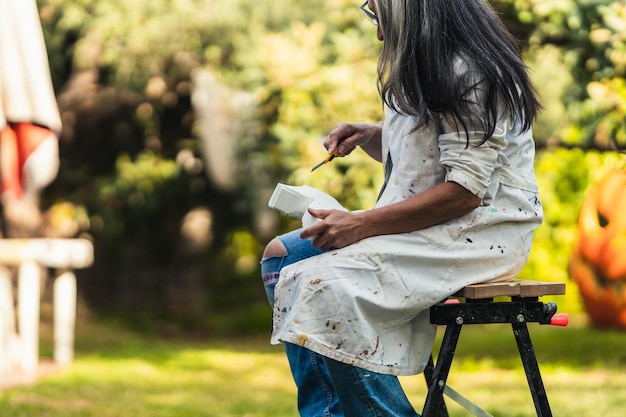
(368, 304)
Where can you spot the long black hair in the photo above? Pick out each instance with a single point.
(438, 53)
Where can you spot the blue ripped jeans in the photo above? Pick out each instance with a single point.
(328, 388)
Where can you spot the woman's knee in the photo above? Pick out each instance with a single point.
(275, 248)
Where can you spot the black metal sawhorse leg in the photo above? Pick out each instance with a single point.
(518, 313)
(531, 367)
(435, 405)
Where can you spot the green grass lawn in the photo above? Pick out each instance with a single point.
(120, 373)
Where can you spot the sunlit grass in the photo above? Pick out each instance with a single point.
(118, 373)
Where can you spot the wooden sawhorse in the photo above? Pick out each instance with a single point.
(480, 308)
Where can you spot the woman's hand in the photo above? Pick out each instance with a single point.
(345, 137)
(337, 229)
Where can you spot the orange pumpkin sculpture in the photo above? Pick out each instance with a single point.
(598, 264)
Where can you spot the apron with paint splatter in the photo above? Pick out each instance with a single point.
(368, 304)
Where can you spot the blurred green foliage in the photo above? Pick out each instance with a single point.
(132, 157)
(590, 39)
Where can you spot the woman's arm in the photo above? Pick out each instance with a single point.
(438, 204)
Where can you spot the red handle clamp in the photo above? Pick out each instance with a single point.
(560, 320)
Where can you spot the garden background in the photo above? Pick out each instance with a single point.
(179, 118)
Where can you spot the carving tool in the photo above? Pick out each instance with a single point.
(329, 158)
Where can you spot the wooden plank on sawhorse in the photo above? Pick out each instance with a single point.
(516, 288)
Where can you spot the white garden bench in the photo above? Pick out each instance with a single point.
(19, 333)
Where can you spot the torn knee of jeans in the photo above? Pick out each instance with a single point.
(269, 258)
(274, 249)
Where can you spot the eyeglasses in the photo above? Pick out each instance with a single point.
(369, 14)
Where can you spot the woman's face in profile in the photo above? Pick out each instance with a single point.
(379, 31)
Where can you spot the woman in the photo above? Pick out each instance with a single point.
(29, 118)
(459, 206)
